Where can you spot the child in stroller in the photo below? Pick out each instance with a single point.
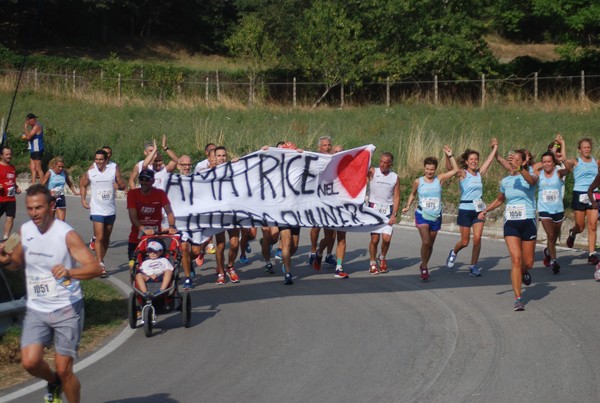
(155, 268)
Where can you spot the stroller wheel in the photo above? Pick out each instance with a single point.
(186, 309)
(132, 310)
(148, 315)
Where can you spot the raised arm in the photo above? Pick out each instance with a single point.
(486, 164)
(170, 167)
(452, 160)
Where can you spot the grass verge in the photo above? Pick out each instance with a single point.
(105, 311)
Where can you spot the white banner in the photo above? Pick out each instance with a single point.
(278, 187)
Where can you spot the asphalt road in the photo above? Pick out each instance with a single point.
(389, 337)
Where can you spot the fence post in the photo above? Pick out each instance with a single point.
(294, 92)
(342, 95)
(206, 90)
(435, 90)
(582, 91)
(101, 75)
(119, 86)
(387, 91)
(66, 79)
(74, 83)
(142, 78)
(483, 90)
(535, 87)
(36, 79)
(250, 92)
(218, 89)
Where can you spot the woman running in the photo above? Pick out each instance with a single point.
(551, 210)
(520, 230)
(585, 168)
(471, 204)
(55, 180)
(428, 216)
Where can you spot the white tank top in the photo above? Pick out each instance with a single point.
(103, 191)
(42, 252)
(381, 187)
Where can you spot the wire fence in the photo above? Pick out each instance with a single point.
(482, 90)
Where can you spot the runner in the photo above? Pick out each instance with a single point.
(103, 209)
(428, 216)
(520, 230)
(471, 203)
(551, 209)
(155, 162)
(8, 190)
(48, 251)
(148, 149)
(384, 196)
(55, 179)
(34, 134)
(205, 163)
(585, 169)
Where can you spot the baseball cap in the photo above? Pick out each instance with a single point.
(146, 174)
(154, 246)
(31, 116)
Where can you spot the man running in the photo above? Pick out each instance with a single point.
(8, 189)
(48, 251)
(384, 196)
(103, 210)
(34, 134)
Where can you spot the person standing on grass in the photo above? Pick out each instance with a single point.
(471, 204)
(551, 209)
(428, 216)
(55, 179)
(49, 251)
(34, 134)
(520, 230)
(585, 170)
(384, 196)
(8, 190)
(102, 179)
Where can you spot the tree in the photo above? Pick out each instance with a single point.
(251, 44)
(329, 45)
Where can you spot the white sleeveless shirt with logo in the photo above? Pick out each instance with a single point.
(42, 252)
(103, 191)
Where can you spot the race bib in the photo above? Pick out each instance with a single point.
(515, 212)
(550, 195)
(382, 208)
(583, 198)
(10, 192)
(41, 287)
(479, 205)
(430, 203)
(105, 194)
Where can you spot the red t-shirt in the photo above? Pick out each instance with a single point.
(149, 208)
(7, 180)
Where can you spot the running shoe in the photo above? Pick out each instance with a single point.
(424, 273)
(555, 267)
(93, 243)
(248, 248)
(200, 260)
(104, 272)
(526, 278)
(188, 284)
(383, 266)
(331, 260)
(244, 259)
(547, 260)
(311, 258)
(340, 273)
(278, 254)
(269, 268)
(474, 271)
(570, 239)
(373, 269)
(519, 305)
(54, 392)
(220, 279)
(210, 249)
(287, 279)
(597, 272)
(317, 263)
(451, 259)
(593, 259)
(233, 277)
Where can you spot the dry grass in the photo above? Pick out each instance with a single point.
(506, 51)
